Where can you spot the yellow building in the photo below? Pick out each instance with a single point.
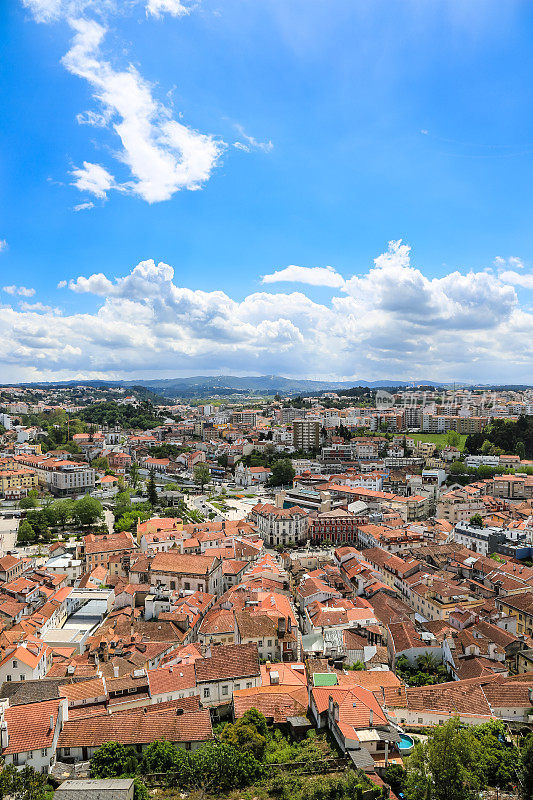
(17, 479)
(521, 607)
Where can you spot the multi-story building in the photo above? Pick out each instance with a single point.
(281, 526)
(306, 434)
(335, 526)
(17, 481)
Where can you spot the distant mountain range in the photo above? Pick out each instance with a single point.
(200, 385)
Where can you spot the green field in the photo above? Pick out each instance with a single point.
(437, 438)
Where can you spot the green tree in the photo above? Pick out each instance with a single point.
(202, 476)
(159, 756)
(245, 736)
(222, 768)
(24, 784)
(110, 760)
(445, 767)
(500, 761)
(526, 771)
(140, 792)
(520, 450)
(395, 776)
(28, 502)
(101, 463)
(64, 510)
(476, 520)
(122, 503)
(26, 534)
(453, 439)
(88, 511)
(128, 521)
(282, 472)
(134, 475)
(151, 489)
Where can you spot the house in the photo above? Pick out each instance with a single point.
(29, 733)
(26, 660)
(133, 728)
(174, 570)
(224, 669)
(357, 721)
(10, 568)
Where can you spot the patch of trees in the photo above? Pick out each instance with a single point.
(507, 436)
(22, 784)
(127, 514)
(427, 670)
(110, 414)
(459, 762)
(282, 473)
(36, 526)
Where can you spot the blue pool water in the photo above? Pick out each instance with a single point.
(405, 742)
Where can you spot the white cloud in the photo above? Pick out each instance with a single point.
(23, 291)
(525, 280)
(162, 154)
(93, 178)
(173, 7)
(314, 276)
(61, 284)
(83, 207)
(390, 322)
(3, 245)
(38, 308)
(44, 10)
(513, 262)
(250, 142)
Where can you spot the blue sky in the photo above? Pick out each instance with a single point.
(229, 140)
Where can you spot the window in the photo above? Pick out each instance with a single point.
(224, 690)
(249, 684)
(15, 664)
(187, 585)
(207, 692)
(22, 677)
(44, 751)
(8, 677)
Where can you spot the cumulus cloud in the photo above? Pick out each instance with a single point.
(23, 291)
(314, 276)
(390, 322)
(162, 154)
(61, 284)
(173, 7)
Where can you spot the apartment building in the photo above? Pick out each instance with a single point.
(306, 434)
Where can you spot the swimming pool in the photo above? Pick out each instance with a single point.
(406, 743)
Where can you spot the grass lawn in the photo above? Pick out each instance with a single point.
(437, 438)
